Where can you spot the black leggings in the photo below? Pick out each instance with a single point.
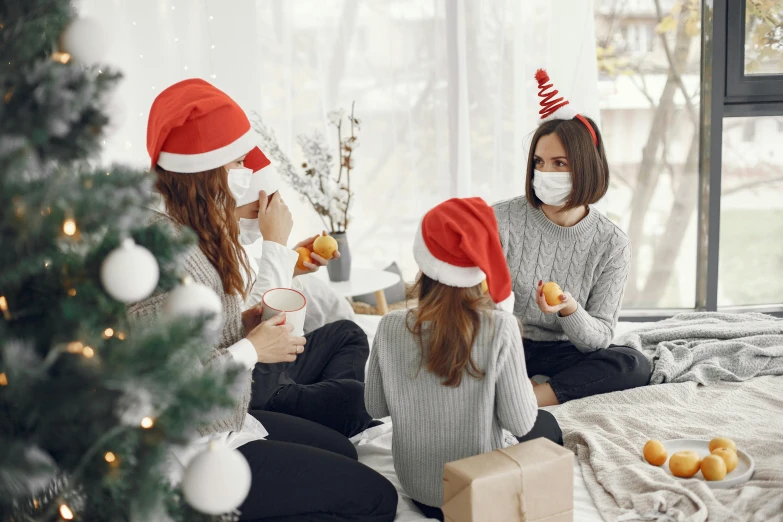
(574, 374)
(546, 426)
(304, 471)
(325, 384)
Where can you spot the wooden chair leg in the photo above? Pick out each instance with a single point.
(381, 305)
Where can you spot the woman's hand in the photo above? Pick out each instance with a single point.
(566, 307)
(274, 220)
(274, 343)
(318, 261)
(251, 317)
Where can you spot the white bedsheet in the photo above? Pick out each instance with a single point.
(374, 448)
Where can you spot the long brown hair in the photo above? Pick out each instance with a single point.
(203, 202)
(453, 317)
(588, 165)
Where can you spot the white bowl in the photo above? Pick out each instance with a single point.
(740, 475)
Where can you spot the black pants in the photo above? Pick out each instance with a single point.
(325, 384)
(304, 471)
(546, 426)
(574, 374)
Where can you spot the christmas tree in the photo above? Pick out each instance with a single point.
(90, 406)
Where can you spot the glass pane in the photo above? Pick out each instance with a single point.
(763, 37)
(751, 223)
(650, 125)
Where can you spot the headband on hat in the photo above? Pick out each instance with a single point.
(193, 126)
(458, 244)
(556, 109)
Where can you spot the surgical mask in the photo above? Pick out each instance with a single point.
(553, 188)
(239, 181)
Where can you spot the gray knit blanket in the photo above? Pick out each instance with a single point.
(740, 359)
(709, 347)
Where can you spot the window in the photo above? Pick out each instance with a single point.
(763, 37)
(751, 218)
(649, 120)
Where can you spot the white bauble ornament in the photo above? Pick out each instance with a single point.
(217, 480)
(130, 272)
(192, 299)
(85, 40)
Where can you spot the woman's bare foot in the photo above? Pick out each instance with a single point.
(544, 395)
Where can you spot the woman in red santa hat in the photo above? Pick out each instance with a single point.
(301, 470)
(554, 233)
(451, 372)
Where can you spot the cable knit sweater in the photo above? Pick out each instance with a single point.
(436, 424)
(591, 260)
(198, 267)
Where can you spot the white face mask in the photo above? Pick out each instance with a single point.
(553, 188)
(239, 181)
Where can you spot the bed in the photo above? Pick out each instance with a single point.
(724, 374)
(374, 448)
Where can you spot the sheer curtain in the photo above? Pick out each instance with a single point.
(444, 89)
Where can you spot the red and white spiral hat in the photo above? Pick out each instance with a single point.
(558, 108)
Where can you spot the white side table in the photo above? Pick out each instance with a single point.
(365, 281)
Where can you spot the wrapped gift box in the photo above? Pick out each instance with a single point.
(530, 482)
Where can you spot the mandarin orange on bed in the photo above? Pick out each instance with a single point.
(729, 457)
(722, 442)
(304, 257)
(713, 468)
(552, 293)
(655, 452)
(684, 464)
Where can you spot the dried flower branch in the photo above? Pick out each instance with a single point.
(328, 194)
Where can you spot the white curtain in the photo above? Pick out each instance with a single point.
(444, 89)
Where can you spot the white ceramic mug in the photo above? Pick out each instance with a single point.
(285, 301)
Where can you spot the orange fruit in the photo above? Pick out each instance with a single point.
(713, 467)
(729, 457)
(304, 257)
(722, 442)
(684, 464)
(552, 293)
(655, 452)
(325, 246)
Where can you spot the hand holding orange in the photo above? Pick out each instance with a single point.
(552, 293)
(325, 246)
(304, 257)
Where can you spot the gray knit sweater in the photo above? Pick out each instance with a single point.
(590, 260)
(435, 424)
(196, 264)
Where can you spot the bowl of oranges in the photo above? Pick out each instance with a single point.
(718, 462)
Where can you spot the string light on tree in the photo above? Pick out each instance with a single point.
(66, 512)
(109, 457)
(3, 379)
(72, 292)
(4, 308)
(69, 227)
(147, 423)
(61, 57)
(88, 352)
(108, 333)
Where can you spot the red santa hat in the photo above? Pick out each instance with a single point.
(458, 245)
(194, 126)
(558, 108)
